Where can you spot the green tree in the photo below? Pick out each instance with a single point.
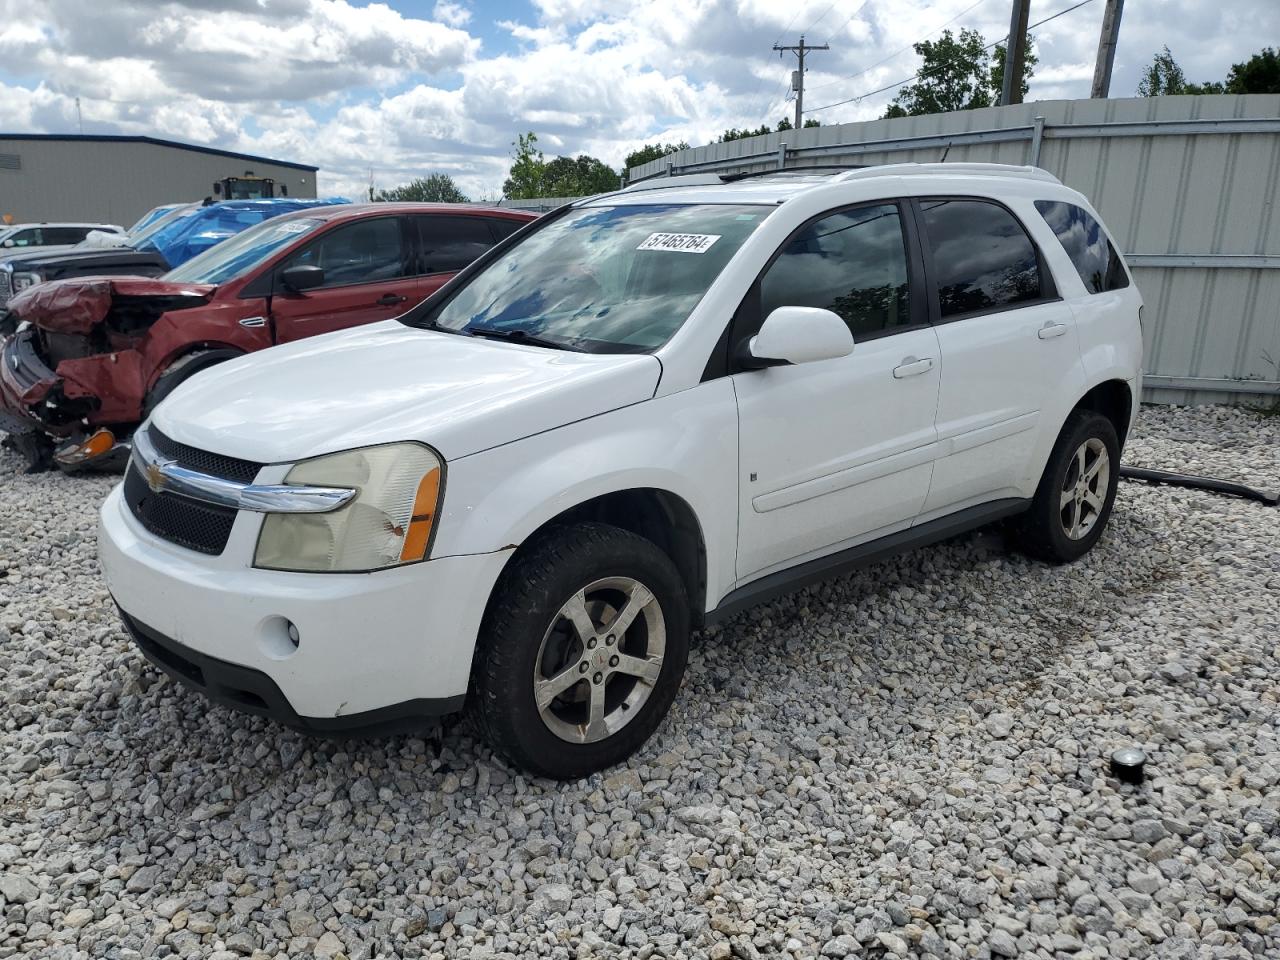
(525, 179)
(1259, 74)
(577, 177)
(1162, 77)
(434, 188)
(785, 124)
(1029, 61)
(956, 74)
(652, 151)
(733, 133)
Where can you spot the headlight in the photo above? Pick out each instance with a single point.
(389, 522)
(23, 280)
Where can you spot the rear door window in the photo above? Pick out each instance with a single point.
(65, 235)
(1081, 236)
(983, 259)
(853, 263)
(450, 243)
(366, 251)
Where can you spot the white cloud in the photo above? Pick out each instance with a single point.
(357, 87)
(452, 14)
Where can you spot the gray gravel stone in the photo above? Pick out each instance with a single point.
(909, 760)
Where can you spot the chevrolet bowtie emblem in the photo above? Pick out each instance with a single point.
(156, 479)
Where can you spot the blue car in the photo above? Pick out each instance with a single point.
(172, 240)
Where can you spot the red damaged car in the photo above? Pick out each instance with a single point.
(88, 358)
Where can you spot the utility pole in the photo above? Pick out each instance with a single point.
(1015, 54)
(797, 78)
(1107, 41)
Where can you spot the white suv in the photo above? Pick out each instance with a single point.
(638, 415)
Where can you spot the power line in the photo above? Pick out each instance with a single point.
(918, 75)
(831, 83)
(831, 7)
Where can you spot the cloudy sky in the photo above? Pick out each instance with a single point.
(401, 88)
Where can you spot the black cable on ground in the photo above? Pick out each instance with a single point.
(1226, 487)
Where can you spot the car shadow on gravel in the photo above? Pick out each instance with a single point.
(862, 640)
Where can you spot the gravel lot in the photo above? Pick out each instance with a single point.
(908, 761)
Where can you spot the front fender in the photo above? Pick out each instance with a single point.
(216, 325)
(685, 444)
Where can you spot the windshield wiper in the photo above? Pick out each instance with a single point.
(516, 336)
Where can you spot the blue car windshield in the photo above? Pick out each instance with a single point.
(233, 257)
(180, 240)
(618, 279)
(162, 221)
(150, 217)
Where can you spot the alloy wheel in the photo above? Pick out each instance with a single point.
(1084, 488)
(599, 660)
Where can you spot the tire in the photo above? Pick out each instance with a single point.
(529, 636)
(179, 371)
(1067, 516)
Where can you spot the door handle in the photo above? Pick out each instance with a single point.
(912, 367)
(1051, 329)
(390, 300)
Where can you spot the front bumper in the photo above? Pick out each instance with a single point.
(25, 384)
(374, 648)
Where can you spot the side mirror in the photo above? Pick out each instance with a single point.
(8, 243)
(799, 335)
(217, 187)
(302, 278)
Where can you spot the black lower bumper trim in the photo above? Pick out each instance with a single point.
(252, 691)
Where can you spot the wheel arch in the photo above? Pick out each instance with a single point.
(1112, 399)
(660, 516)
(186, 354)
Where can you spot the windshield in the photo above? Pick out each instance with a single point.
(149, 231)
(603, 279)
(242, 252)
(150, 217)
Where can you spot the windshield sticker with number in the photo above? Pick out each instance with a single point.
(679, 242)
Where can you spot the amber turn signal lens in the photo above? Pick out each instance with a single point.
(424, 517)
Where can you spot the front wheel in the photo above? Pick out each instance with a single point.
(1076, 492)
(581, 652)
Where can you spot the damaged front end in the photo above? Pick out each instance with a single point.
(72, 383)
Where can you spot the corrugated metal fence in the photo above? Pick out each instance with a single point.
(1188, 185)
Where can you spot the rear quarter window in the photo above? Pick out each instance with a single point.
(1081, 236)
(983, 259)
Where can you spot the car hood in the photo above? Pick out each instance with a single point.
(79, 304)
(388, 382)
(84, 259)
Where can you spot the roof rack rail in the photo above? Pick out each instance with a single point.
(952, 169)
(814, 169)
(680, 180)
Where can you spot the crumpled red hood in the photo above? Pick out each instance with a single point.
(79, 304)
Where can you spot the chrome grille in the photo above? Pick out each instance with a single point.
(197, 526)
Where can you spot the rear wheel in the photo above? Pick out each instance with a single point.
(1076, 492)
(581, 652)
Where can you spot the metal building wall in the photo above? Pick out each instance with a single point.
(1188, 186)
(115, 181)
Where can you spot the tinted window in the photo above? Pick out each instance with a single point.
(26, 238)
(1081, 236)
(450, 243)
(505, 228)
(983, 258)
(64, 235)
(367, 251)
(854, 263)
